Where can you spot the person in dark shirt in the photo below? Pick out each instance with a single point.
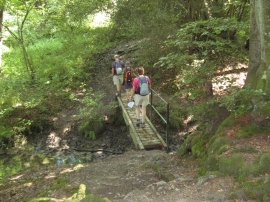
(117, 72)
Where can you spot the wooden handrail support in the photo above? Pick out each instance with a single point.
(156, 132)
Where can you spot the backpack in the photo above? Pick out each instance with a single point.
(129, 76)
(144, 87)
(118, 68)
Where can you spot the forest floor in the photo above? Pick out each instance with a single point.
(113, 168)
(134, 176)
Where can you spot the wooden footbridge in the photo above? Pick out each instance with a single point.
(143, 138)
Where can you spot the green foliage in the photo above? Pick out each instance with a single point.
(233, 165)
(248, 131)
(213, 153)
(15, 165)
(246, 149)
(58, 46)
(59, 183)
(94, 198)
(264, 108)
(11, 132)
(227, 123)
(79, 11)
(198, 146)
(185, 148)
(177, 114)
(218, 145)
(82, 195)
(199, 48)
(211, 164)
(258, 190)
(12, 164)
(264, 163)
(242, 100)
(90, 115)
(139, 18)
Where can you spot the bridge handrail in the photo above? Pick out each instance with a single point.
(164, 119)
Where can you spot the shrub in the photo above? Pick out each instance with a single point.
(91, 120)
(218, 145)
(233, 165)
(227, 123)
(264, 163)
(198, 146)
(248, 131)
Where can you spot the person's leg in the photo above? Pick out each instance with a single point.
(116, 83)
(118, 88)
(143, 114)
(137, 108)
(120, 82)
(128, 92)
(138, 111)
(145, 102)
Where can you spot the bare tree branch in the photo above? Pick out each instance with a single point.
(11, 32)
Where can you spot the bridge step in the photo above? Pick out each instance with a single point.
(143, 138)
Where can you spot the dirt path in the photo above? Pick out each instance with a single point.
(135, 176)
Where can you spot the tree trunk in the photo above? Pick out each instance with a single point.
(197, 10)
(1, 35)
(259, 56)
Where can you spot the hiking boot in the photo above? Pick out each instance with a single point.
(118, 94)
(138, 123)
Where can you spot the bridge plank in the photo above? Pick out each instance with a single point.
(132, 130)
(143, 138)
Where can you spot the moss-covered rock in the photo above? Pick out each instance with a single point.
(196, 144)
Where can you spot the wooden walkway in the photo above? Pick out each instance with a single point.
(143, 138)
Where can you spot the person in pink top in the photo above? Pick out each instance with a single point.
(140, 92)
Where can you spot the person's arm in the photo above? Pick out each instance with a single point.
(113, 67)
(132, 93)
(133, 88)
(124, 75)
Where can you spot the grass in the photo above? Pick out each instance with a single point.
(246, 149)
(233, 165)
(248, 131)
(41, 199)
(218, 146)
(227, 123)
(264, 163)
(57, 184)
(83, 196)
(258, 190)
